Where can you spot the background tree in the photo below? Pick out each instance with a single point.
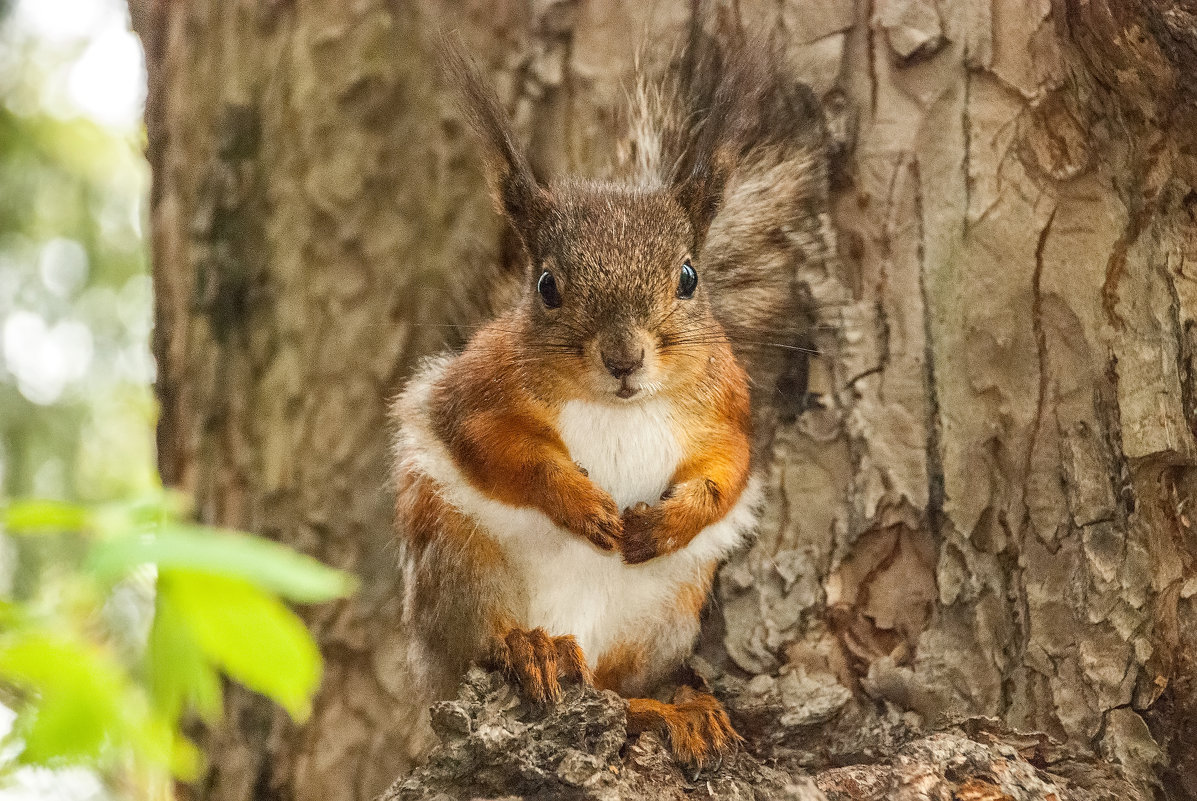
(984, 506)
(115, 617)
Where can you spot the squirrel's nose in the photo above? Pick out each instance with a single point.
(622, 365)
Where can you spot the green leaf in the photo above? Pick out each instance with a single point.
(44, 517)
(249, 634)
(218, 552)
(185, 759)
(81, 696)
(180, 674)
(137, 515)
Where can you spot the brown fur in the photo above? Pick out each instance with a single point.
(442, 546)
(693, 597)
(619, 666)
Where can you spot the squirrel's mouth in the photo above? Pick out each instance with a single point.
(626, 390)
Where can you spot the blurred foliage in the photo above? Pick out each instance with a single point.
(118, 619)
(108, 653)
(76, 411)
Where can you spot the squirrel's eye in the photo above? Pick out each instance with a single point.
(547, 287)
(688, 281)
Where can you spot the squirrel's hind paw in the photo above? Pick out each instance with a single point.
(696, 725)
(539, 662)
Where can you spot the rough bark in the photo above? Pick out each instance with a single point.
(984, 506)
(495, 745)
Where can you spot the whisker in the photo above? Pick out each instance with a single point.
(703, 337)
(665, 319)
(697, 342)
(688, 331)
(779, 345)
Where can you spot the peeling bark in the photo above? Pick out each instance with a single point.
(983, 505)
(496, 745)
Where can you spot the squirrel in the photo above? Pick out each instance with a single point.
(568, 484)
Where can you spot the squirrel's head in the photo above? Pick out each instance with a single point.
(616, 291)
(615, 284)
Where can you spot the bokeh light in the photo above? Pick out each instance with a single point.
(76, 409)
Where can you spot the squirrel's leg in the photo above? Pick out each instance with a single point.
(571, 500)
(519, 459)
(703, 490)
(695, 724)
(538, 660)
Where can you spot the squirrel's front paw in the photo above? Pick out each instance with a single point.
(601, 524)
(641, 534)
(539, 661)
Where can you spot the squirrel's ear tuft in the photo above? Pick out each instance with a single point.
(515, 189)
(724, 84)
(700, 192)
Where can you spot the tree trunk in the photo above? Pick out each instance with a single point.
(984, 506)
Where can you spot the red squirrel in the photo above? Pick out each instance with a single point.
(568, 484)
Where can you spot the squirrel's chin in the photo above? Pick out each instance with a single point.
(633, 394)
(619, 395)
(607, 391)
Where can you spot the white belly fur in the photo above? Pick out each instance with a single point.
(630, 451)
(570, 586)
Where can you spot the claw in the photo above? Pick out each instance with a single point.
(539, 662)
(696, 725)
